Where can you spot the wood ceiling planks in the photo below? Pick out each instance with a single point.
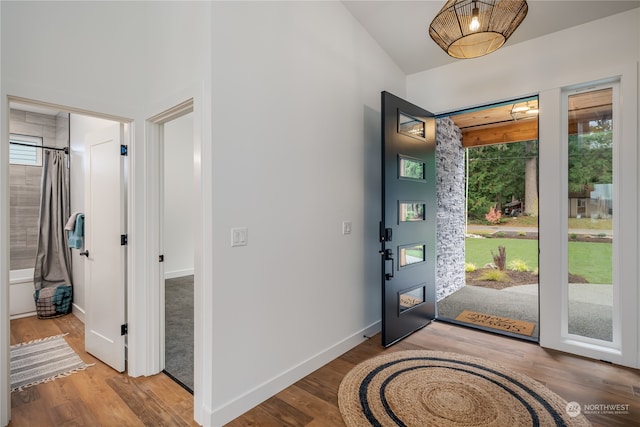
(500, 125)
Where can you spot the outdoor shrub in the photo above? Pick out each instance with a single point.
(469, 267)
(500, 234)
(522, 233)
(535, 271)
(494, 276)
(493, 217)
(573, 236)
(500, 260)
(602, 235)
(518, 265)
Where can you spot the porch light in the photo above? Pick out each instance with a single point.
(519, 111)
(473, 28)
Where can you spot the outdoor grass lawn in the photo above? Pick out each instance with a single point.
(589, 260)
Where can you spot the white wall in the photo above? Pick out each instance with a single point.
(178, 197)
(128, 60)
(296, 134)
(293, 134)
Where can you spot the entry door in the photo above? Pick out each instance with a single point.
(408, 228)
(105, 254)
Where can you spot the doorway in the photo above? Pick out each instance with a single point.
(498, 289)
(172, 134)
(59, 126)
(177, 248)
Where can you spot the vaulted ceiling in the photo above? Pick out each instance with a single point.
(401, 28)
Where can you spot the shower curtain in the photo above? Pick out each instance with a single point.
(53, 259)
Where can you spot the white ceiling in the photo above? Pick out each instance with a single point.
(401, 28)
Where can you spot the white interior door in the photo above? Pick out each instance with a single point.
(105, 259)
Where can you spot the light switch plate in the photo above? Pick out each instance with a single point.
(346, 227)
(239, 236)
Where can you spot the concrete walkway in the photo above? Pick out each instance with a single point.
(582, 292)
(590, 306)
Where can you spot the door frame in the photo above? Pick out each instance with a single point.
(155, 130)
(195, 98)
(5, 394)
(553, 228)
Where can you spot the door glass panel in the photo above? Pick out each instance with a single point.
(411, 211)
(411, 126)
(411, 255)
(409, 299)
(590, 199)
(411, 168)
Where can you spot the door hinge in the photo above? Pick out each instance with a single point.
(161, 258)
(124, 329)
(124, 151)
(124, 239)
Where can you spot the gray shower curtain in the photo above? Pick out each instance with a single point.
(53, 259)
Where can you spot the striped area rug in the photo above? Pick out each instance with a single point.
(41, 361)
(418, 388)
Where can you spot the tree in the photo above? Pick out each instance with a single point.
(591, 157)
(496, 175)
(531, 178)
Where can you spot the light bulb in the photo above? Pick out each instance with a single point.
(475, 23)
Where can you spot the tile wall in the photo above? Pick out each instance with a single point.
(25, 181)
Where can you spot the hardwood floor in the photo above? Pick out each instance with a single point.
(312, 401)
(100, 396)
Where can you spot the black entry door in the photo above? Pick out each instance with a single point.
(408, 228)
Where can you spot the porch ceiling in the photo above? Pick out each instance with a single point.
(503, 123)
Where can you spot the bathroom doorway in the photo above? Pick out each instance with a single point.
(38, 126)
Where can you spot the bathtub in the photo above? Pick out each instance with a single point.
(21, 302)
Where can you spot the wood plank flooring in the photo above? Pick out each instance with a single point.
(312, 401)
(100, 396)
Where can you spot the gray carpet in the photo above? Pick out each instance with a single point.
(178, 340)
(589, 313)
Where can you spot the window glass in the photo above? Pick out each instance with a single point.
(591, 208)
(24, 150)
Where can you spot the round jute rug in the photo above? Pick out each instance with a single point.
(431, 389)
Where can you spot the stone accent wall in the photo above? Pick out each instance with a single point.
(450, 192)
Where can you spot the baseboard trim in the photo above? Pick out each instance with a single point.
(78, 312)
(21, 315)
(238, 406)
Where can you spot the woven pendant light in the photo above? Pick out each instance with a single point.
(473, 28)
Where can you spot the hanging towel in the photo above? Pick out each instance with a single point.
(77, 233)
(71, 223)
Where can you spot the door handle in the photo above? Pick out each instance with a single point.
(388, 256)
(85, 253)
